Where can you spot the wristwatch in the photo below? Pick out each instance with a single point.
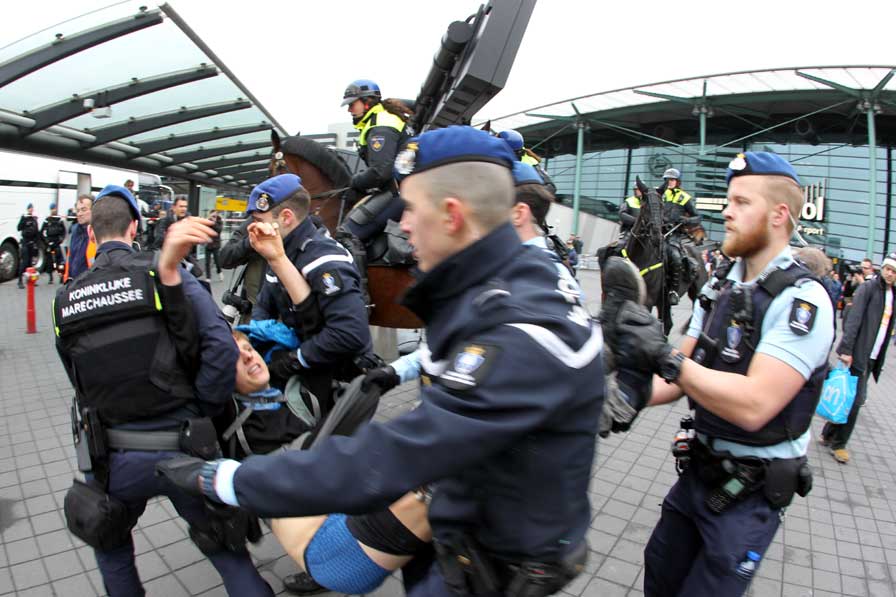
(670, 368)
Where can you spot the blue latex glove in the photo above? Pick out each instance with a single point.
(270, 330)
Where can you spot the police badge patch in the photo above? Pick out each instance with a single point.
(263, 203)
(377, 142)
(469, 366)
(406, 159)
(733, 335)
(332, 283)
(738, 163)
(802, 317)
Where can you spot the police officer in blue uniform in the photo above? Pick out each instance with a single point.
(510, 396)
(330, 317)
(30, 236)
(752, 365)
(53, 233)
(516, 143)
(150, 357)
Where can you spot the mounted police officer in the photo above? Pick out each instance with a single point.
(516, 143)
(510, 398)
(629, 210)
(151, 358)
(330, 320)
(679, 211)
(53, 233)
(383, 132)
(752, 365)
(30, 236)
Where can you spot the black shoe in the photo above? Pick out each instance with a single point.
(673, 298)
(302, 584)
(20, 283)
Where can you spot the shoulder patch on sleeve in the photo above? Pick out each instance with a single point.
(469, 366)
(377, 142)
(331, 282)
(802, 316)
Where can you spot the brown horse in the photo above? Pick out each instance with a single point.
(325, 175)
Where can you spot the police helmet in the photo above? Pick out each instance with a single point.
(360, 88)
(672, 173)
(512, 138)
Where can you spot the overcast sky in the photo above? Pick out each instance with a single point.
(297, 56)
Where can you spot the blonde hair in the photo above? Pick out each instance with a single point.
(782, 189)
(814, 259)
(487, 188)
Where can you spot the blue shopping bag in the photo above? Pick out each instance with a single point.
(837, 395)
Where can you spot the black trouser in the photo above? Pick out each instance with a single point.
(54, 258)
(29, 252)
(838, 435)
(209, 253)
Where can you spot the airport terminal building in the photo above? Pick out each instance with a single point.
(827, 121)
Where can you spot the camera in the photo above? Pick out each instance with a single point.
(234, 306)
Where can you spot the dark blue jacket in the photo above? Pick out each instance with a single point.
(218, 353)
(335, 285)
(78, 250)
(511, 395)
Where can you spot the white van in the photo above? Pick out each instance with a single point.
(41, 181)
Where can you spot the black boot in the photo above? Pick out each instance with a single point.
(302, 584)
(674, 279)
(359, 254)
(20, 282)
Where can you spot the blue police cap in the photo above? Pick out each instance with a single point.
(114, 190)
(525, 174)
(451, 145)
(29, 206)
(52, 206)
(761, 163)
(273, 191)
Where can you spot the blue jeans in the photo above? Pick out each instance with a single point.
(695, 552)
(132, 480)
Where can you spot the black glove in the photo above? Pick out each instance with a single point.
(192, 475)
(641, 345)
(627, 393)
(384, 378)
(284, 364)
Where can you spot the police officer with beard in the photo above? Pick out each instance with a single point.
(752, 365)
(53, 233)
(510, 397)
(150, 357)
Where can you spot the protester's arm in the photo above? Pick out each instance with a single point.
(854, 319)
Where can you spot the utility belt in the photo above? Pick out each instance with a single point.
(468, 569)
(732, 479)
(105, 522)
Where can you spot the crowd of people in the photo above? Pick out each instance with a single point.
(483, 488)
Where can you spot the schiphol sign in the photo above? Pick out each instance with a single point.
(813, 206)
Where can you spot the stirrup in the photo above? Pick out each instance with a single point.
(673, 297)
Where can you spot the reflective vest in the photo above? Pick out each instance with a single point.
(377, 116)
(110, 326)
(730, 335)
(528, 159)
(676, 196)
(634, 202)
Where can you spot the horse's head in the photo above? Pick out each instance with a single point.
(278, 162)
(649, 225)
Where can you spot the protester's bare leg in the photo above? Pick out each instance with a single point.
(294, 534)
(412, 513)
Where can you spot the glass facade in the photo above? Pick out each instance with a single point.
(835, 179)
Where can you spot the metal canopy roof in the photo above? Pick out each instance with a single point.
(132, 88)
(801, 104)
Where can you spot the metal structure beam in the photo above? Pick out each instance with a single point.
(175, 141)
(136, 126)
(74, 106)
(197, 154)
(831, 84)
(63, 47)
(224, 162)
(238, 171)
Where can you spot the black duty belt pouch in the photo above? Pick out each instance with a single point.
(466, 568)
(198, 437)
(95, 517)
(781, 479)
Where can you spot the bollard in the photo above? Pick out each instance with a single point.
(32, 276)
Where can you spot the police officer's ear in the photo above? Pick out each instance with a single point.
(455, 214)
(780, 215)
(519, 214)
(91, 235)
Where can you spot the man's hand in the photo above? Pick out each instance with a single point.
(384, 378)
(640, 342)
(284, 364)
(265, 239)
(180, 238)
(846, 358)
(192, 475)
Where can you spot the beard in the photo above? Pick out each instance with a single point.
(746, 243)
